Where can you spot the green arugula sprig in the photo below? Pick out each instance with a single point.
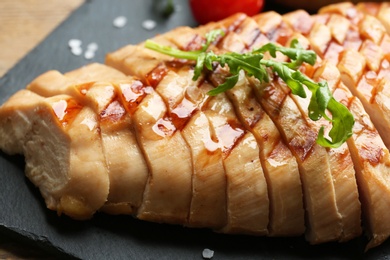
(254, 65)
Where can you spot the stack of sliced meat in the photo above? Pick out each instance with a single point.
(138, 136)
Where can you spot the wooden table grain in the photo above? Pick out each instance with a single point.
(23, 25)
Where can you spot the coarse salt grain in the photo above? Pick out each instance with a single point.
(207, 253)
(93, 46)
(89, 54)
(73, 43)
(120, 21)
(149, 24)
(77, 51)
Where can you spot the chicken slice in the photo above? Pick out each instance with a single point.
(69, 167)
(167, 194)
(340, 162)
(241, 201)
(320, 37)
(280, 166)
(244, 211)
(208, 203)
(127, 168)
(323, 218)
(372, 163)
(208, 191)
(339, 26)
(247, 194)
(370, 88)
(340, 158)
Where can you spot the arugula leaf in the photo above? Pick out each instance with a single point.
(296, 53)
(229, 83)
(254, 64)
(286, 74)
(211, 37)
(342, 123)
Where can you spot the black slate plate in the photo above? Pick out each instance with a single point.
(22, 211)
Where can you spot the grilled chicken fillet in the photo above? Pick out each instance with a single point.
(138, 136)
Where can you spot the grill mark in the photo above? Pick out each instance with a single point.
(370, 151)
(280, 34)
(284, 33)
(229, 135)
(195, 43)
(156, 75)
(132, 94)
(66, 111)
(233, 27)
(113, 112)
(273, 98)
(182, 113)
(254, 33)
(257, 34)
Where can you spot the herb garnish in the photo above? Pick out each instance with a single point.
(254, 65)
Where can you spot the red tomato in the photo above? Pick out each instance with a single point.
(206, 11)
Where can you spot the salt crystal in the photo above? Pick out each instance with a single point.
(77, 51)
(207, 253)
(149, 24)
(93, 46)
(73, 43)
(120, 21)
(89, 54)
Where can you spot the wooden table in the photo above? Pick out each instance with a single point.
(23, 25)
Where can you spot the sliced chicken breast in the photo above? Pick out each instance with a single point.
(323, 217)
(280, 166)
(167, 194)
(371, 161)
(63, 150)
